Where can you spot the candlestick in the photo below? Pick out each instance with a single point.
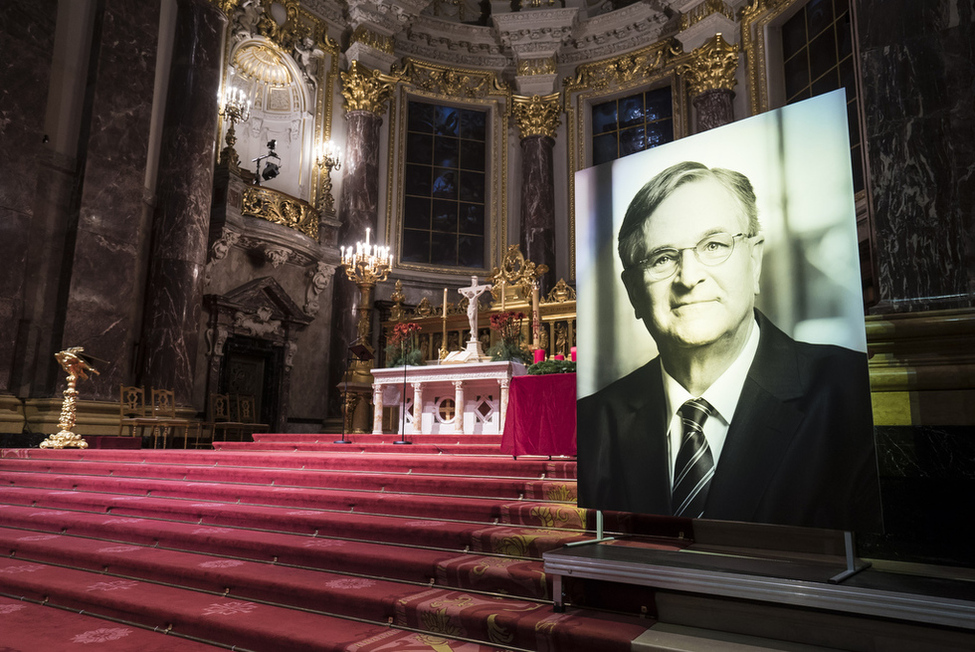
(445, 303)
(536, 321)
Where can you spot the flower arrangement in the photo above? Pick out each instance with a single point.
(509, 345)
(403, 347)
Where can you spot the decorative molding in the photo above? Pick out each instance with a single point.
(617, 32)
(712, 66)
(536, 115)
(625, 69)
(543, 66)
(373, 39)
(280, 208)
(366, 90)
(755, 17)
(319, 279)
(450, 81)
(705, 9)
(277, 255)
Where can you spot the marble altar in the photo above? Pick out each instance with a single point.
(467, 399)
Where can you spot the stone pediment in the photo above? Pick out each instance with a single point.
(263, 301)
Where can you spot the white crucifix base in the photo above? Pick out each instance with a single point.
(473, 353)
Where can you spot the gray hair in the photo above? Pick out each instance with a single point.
(659, 188)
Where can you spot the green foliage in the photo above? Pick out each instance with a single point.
(552, 367)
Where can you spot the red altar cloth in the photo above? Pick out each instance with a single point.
(541, 417)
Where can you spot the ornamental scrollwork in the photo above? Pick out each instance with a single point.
(366, 90)
(712, 66)
(537, 115)
(451, 82)
(281, 209)
(625, 69)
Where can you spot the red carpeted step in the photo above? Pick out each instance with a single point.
(386, 438)
(495, 466)
(226, 621)
(412, 449)
(445, 534)
(67, 630)
(512, 620)
(360, 480)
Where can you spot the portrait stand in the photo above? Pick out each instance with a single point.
(403, 439)
(853, 565)
(361, 353)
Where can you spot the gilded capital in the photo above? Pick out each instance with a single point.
(712, 66)
(537, 115)
(365, 89)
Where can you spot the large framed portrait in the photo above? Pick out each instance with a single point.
(724, 267)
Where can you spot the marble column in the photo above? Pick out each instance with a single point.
(538, 205)
(377, 406)
(417, 408)
(181, 219)
(459, 406)
(107, 268)
(366, 94)
(538, 119)
(711, 80)
(918, 68)
(33, 204)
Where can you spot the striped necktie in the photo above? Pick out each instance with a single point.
(695, 464)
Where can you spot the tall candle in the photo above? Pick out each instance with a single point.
(536, 322)
(445, 303)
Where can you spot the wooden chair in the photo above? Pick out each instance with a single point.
(164, 417)
(132, 410)
(220, 420)
(247, 415)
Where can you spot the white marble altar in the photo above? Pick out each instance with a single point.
(434, 392)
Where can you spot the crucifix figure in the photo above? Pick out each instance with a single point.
(472, 293)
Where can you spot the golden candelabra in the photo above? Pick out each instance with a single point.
(76, 366)
(234, 107)
(365, 265)
(328, 159)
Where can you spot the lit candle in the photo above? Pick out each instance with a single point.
(367, 236)
(445, 303)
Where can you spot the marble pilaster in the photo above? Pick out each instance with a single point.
(714, 109)
(538, 205)
(181, 219)
(29, 29)
(107, 267)
(918, 67)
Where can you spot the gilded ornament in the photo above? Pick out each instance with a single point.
(451, 82)
(372, 39)
(528, 67)
(366, 90)
(712, 66)
(515, 272)
(76, 367)
(281, 209)
(561, 293)
(625, 69)
(705, 9)
(537, 115)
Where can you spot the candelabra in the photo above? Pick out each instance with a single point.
(235, 108)
(327, 160)
(366, 264)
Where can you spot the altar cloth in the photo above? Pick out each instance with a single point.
(541, 417)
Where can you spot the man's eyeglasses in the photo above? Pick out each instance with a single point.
(712, 250)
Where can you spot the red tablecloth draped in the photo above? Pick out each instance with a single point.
(541, 417)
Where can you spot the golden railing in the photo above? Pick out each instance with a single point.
(280, 208)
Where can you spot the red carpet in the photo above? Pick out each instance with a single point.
(292, 543)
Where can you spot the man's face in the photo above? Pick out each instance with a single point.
(698, 305)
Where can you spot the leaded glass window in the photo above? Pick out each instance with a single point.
(631, 124)
(444, 221)
(817, 53)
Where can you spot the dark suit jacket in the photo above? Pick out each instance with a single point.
(799, 450)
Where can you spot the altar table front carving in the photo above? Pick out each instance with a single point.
(452, 398)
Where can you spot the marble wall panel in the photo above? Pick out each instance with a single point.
(917, 67)
(184, 189)
(538, 205)
(106, 268)
(27, 40)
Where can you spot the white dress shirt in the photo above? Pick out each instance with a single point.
(723, 395)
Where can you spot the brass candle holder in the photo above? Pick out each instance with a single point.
(76, 366)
